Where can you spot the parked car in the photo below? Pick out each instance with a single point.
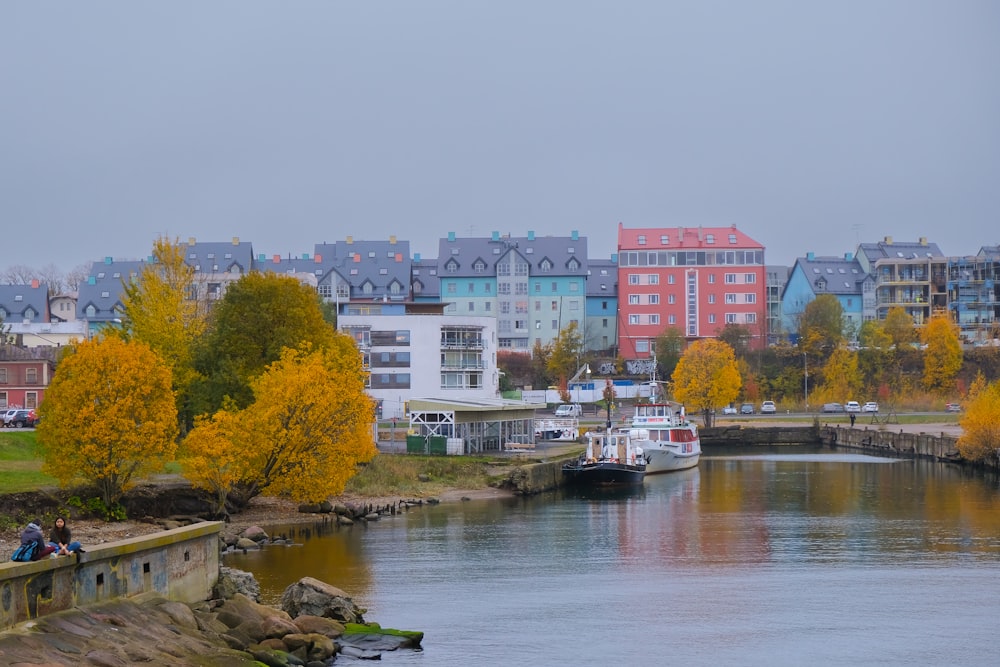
(768, 408)
(569, 410)
(833, 407)
(21, 419)
(852, 406)
(746, 409)
(7, 414)
(870, 406)
(953, 407)
(729, 410)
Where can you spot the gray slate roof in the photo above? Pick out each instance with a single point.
(376, 262)
(602, 279)
(841, 275)
(466, 252)
(24, 302)
(104, 288)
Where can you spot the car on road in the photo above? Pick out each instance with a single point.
(768, 408)
(870, 406)
(746, 409)
(833, 407)
(569, 410)
(6, 414)
(953, 407)
(21, 419)
(852, 406)
(729, 410)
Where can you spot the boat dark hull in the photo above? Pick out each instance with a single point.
(604, 473)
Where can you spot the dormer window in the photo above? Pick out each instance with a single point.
(29, 313)
(479, 266)
(642, 239)
(545, 266)
(665, 240)
(451, 266)
(732, 239)
(573, 264)
(710, 238)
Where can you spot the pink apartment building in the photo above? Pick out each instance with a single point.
(695, 279)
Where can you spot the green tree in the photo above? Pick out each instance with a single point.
(737, 336)
(259, 316)
(540, 377)
(158, 310)
(706, 377)
(303, 437)
(821, 325)
(108, 417)
(899, 327)
(564, 360)
(942, 353)
(669, 346)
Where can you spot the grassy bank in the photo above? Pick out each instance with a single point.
(386, 475)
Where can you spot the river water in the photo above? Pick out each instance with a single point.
(773, 557)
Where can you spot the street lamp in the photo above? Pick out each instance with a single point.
(805, 380)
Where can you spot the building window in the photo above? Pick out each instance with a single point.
(642, 239)
(730, 297)
(671, 299)
(654, 279)
(633, 299)
(709, 238)
(545, 266)
(752, 298)
(730, 318)
(711, 298)
(711, 318)
(711, 279)
(479, 266)
(31, 376)
(633, 279)
(654, 299)
(31, 400)
(751, 318)
(672, 319)
(3, 399)
(472, 306)
(489, 306)
(604, 322)
(633, 319)
(504, 307)
(503, 288)
(3, 376)
(451, 288)
(642, 345)
(730, 278)
(664, 240)
(749, 278)
(654, 319)
(670, 279)
(574, 304)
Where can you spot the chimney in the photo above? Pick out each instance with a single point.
(416, 257)
(451, 237)
(923, 240)
(392, 239)
(236, 240)
(848, 256)
(810, 256)
(888, 240)
(191, 240)
(574, 235)
(350, 240)
(531, 235)
(495, 236)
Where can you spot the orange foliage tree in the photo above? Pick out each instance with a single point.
(108, 417)
(980, 424)
(706, 377)
(305, 433)
(942, 353)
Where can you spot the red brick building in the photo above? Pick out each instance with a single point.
(24, 376)
(695, 279)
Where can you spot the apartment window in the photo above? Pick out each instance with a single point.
(711, 298)
(633, 299)
(479, 266)
(604, 322)
(711, 318)
(749, 278)
(752, 298)
(31, 399)
(451, 288)
(472, 306)
(555, 305)
(730, 318)
(672, 319)
(521, 307)
(709, 238)
(633, 319)
(664, 240)
(642, 345)
(751, 318)
(670, 279)
(654, 319)
(3, 376)
(31, 376)
(555, 325)
(633, 279)
(538, 306)
(3, 399)
(472, 288)
(538, 288)
(732, 239)
(711, 279)
(489, 306)
(654, 279)
(654, 299)
(671, 299)
(520, 288)
(503, 288)
(488, 288)
(504, 307)
(730, 297)
(642, 239)
(545, 266)
(555, 287)
(730, 278)
(574, 304)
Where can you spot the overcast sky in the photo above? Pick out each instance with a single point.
(810, 125)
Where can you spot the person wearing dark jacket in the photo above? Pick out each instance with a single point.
(33, 533)
(62, 539)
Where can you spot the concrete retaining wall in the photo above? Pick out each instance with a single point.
(181, 564)
(939, 447)
(764, 435)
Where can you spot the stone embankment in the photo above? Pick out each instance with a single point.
(316, 623)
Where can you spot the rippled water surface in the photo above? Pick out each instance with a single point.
(784, 557)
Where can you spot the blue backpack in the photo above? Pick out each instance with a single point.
(25, 552)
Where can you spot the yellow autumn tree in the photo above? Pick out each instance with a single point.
(942, 353)
(303, 436)
(706, 377)
(108, 416)
(841, 379)
(160, 310)
(980, 424)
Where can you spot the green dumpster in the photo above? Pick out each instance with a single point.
(437, 444)
(415, 444)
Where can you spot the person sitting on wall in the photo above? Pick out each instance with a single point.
(33, 533)
(61, 539)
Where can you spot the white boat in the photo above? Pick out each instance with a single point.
(611, 459)
(669, 440)
(557, 430)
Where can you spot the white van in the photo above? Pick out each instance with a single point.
(569, 410)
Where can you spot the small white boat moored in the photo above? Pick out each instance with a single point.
(669, 440)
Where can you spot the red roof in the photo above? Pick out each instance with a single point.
(688, 238)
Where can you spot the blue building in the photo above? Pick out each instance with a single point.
(812, 276)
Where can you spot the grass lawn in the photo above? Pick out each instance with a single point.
(21, 463)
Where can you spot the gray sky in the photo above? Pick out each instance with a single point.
(810, 125)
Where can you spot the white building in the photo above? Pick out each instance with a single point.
(413, 350)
